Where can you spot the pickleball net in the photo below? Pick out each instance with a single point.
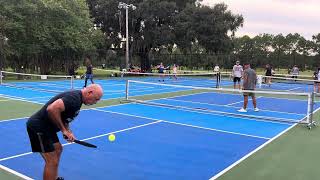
(281, 106)
(50, 83)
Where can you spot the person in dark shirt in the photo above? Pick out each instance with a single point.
(89, 74)
(161, 71)
(268, 74)
(55, 116)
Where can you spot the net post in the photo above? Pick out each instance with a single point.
(310, 109)
(127, 90)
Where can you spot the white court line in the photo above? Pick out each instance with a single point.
(94, 137)
(118, 131)
(160, 90)
(223, 114)
(15, 173)
(254, 151)
(182, 124)
(22, 118)
(228, 105)
(294, 88)
(121, 104)
(15, 119)
(122, 91)
(19, 99)
(249, 154)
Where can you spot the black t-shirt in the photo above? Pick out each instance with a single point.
(89, 69)
(268, 71)
(72, 102)
(315, 75)
(161, 69)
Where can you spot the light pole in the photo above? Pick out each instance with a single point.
(126, 6)
(3, 43)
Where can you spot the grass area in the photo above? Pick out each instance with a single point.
(16, 109)
(10, 109)
(99, 72)
(8, 176)
(292, 156)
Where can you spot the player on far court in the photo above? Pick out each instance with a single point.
(249, 83)
(216, 70)
(174, 71)
(237, 71)
(161, 70)
(55, 116)
(89, 74)
(268, 74)
(295, 72)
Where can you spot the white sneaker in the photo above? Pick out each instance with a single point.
(242, 110)
(256, 109)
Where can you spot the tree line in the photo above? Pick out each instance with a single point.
(46, 36)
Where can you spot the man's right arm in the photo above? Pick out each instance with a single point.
(245, 79)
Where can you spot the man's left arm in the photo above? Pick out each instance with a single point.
(245, 79)
(255, 80)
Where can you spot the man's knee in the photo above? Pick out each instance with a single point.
(51, 159)
(58, 148)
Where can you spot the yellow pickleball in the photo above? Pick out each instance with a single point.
(111, 137)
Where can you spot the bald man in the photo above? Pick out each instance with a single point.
(53, 117)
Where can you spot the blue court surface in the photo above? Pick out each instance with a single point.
(152, 142)
(161, 144)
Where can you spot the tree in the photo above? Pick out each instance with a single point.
(48, 33)
(3, 41)
(212, 26)
(279, 45)
(157, 24)
(244, 48)
(315, 44)
(294, 42)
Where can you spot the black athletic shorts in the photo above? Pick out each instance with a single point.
(236, 79)
(42, 141)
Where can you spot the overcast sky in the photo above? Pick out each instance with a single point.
(276, 16)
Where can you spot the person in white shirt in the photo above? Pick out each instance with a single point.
(216, 70)
(237, 71)
(295, 71)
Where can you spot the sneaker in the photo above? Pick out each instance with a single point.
(256, 109)
(60, 178)
(242, 110)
